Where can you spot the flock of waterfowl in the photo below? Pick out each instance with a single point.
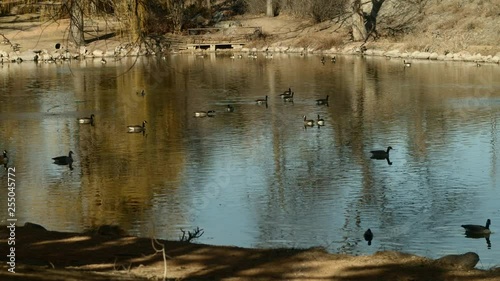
(287, 96)
(68, 160)
(471, 230)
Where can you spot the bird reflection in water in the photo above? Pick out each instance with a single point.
(479, 236)
(381, 155)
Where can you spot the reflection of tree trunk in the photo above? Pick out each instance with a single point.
(76, 23)
(358, 26)
(269, 8)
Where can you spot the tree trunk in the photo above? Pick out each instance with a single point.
(364, 24)
(137, 20)
(76, 23)
(209, 5)
(371, 20)
(358, 25)
(269, 8)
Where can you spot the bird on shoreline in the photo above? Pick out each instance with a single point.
(477, 229)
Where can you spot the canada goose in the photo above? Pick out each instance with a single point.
(64, 160)
(103, 61)
(323, 60)
(209, 113)
(288, 98)
(261, 101)
(4, 159)
(320, 121)
(230, 108)
(200, 114)
(307, 122)
(86, 120)
(478, 64)
(380, 154)
(232, 56)
(142, 93)
(322, 101)
(406, 64)
(286, 93)
(137, 128)
(368, 236)
(269, 56)
(334, 59)
(477, 229)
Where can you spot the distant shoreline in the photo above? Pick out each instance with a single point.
(37, 44)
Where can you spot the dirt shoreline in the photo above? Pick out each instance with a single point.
(107, 255)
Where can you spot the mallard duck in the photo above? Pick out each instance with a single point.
(137, 128)
(211, 113)
(86, 120)
(368, 236)
(477, 229)
(320, 121)
(230, 108)
(380, 154)
(307, 122)
(64, 160)
(261, 101)
(322, 101)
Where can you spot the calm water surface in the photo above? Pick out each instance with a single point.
(256, 177)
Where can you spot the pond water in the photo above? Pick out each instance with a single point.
(256, 177)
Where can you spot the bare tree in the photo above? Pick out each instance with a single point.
(75, 11)
(365, 24)
(358, 28)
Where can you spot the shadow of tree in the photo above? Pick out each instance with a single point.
(122, 257)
